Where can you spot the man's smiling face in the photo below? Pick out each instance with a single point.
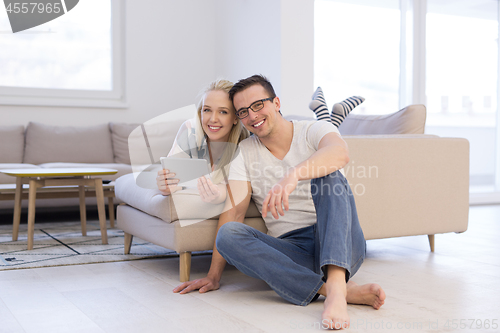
(262, 122)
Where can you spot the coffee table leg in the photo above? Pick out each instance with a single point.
(83, 210)
(17, 208)
(111, 209)
(101, 209)
(31, 212)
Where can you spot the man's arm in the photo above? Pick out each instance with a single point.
(239, 194)
(332, 155)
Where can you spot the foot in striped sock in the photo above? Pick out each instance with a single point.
(342, 109)
(318, 105)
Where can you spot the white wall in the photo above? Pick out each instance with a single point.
(170, 55)
(174, 48)
(248, 39)
(274, 38)
(297, 56)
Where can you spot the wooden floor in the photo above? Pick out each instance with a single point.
(426, 292)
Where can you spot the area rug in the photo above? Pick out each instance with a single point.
(62, 243)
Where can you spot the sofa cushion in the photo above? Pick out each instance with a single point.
(182, 205)
(45, 143)
(5, 179)
(189, 206)
(11, 144)
(410, 120)
(119, 138)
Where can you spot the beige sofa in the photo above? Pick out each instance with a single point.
(404, 184)
(44, 146)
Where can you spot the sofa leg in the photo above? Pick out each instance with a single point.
(128, 242)
(185, 266)
(431, 242)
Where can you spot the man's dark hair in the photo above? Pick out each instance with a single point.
(250, 81)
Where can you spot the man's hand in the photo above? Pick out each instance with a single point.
(205, 284)
(166, 182)
(277, 198)
(209, 192)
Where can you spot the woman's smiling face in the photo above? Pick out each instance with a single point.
(217, 115)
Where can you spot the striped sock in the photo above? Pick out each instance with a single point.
(318, 105)
(342, 109)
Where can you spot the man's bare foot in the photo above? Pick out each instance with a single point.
(367, 294)
(335, 314)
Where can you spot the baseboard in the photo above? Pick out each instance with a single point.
(492, 198)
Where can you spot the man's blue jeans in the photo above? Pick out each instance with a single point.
(293, 264)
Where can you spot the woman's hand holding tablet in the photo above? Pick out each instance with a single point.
(166, 182)
(184, 171)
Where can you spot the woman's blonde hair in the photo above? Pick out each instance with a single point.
(236, 135)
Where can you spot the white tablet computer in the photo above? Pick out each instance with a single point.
(186, 169)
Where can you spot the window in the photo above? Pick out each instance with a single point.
(74, 60)
(441, 53)
(461, 79)
(356, 52)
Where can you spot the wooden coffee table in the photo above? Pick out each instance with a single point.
(59, 177)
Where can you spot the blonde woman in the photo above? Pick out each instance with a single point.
(213, 135)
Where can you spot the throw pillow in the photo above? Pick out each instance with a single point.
(11, 144)
(119, 138)
(409, 120)
(45, 144)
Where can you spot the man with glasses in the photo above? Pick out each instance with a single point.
(292, 170)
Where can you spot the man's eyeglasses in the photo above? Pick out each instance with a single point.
(256, 106)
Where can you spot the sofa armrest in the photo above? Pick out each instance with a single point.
(409, 184)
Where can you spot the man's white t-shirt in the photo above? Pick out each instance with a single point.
(256, 164)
